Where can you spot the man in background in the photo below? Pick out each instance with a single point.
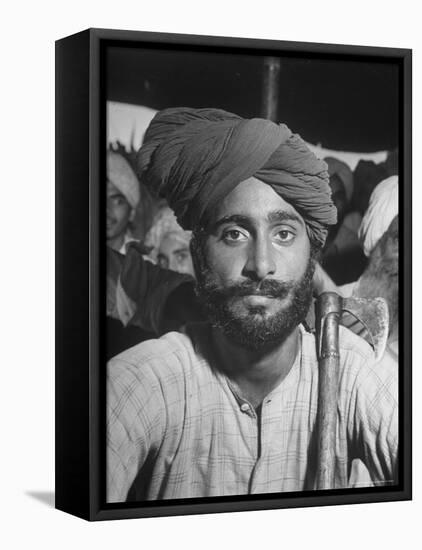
(169, 244)
(379, 233)
(343, 258)
(122, 201)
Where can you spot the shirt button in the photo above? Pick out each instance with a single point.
(244, 407)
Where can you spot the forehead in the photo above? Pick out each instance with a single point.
(255, 200)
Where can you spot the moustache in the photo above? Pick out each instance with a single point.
(267, 288)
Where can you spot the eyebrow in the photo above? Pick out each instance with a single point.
(234, 218)
(277, 216)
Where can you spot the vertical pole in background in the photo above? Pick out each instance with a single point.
(270, 89)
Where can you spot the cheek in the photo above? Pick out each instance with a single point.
(185, 263)
(228, 263)
(224, 262)
(291, 261)
(186, 268)
(122, 214)
(296, 257)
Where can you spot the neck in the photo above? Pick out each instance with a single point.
(256, 373)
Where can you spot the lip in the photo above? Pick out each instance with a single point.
(257, 299)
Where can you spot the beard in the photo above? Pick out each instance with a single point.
(254, 327)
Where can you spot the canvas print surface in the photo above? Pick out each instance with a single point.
(251, 230)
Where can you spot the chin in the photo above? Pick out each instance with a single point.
(256, 328)
(254, 321)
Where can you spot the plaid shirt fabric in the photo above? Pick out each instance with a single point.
(177, 427)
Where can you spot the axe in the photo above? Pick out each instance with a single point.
(367, 317)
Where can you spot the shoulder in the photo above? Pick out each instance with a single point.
(350, 344)
(355, 352)
(157, 375)
(359, 369)
(360, 377)
(354, 345)
(172, 353)
(146, 389)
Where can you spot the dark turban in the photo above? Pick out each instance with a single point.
(196, 157)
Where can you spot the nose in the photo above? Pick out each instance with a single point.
(260, 262)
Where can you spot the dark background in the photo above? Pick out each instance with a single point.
(343, 105)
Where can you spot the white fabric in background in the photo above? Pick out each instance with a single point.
(127, 123)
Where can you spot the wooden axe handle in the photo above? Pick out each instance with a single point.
(328, 314)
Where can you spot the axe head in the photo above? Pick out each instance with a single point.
(367, 317)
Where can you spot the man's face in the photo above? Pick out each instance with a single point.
(118, 212)
(256, 275)
(174, 253)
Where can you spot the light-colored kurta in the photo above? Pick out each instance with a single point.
(177, 425)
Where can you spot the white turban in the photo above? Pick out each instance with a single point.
(383, 208)
(121, 175)
(165, 222)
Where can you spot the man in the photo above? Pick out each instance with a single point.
(342, 257)
(122, 200)
(379, 235)
(229, 407)
(169, 243)
(382, 209)
(144, 300)
(341, 184)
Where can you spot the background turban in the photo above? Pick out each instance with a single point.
(383, 208)
(339, 168)
(121, 175)
(165, 222)
(196, 157)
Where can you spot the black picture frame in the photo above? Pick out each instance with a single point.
(80, 257)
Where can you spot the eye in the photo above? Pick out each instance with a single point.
(182, 256)
(234, 236)
(118, 200)
(162, 261)
(284, 236)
